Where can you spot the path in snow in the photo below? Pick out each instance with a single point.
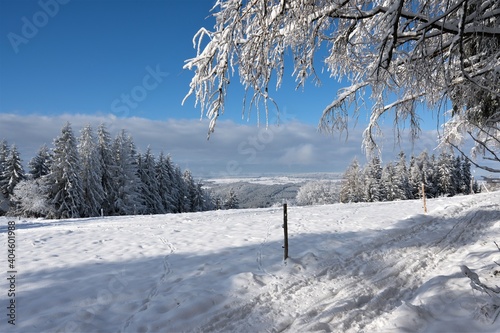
(369, 281)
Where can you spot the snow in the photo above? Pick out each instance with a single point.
(368, 267)
(282, 180)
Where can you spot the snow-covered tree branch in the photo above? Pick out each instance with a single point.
(403, 54)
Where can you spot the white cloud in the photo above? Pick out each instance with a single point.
(232, 150)
(304, 154)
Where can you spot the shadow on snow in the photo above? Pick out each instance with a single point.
(148, 295)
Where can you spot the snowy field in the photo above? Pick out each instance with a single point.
(383, 267)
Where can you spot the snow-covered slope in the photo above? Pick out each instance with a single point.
(384, 267)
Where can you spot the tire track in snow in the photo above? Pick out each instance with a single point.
(387, 286)
(351, 292)
(167, 270)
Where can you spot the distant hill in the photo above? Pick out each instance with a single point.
(251, 195)
(262, 192)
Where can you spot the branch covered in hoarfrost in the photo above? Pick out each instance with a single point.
(393, 51)
(492, 309)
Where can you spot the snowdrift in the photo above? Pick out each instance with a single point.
(382, 267)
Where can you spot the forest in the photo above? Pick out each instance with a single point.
(95, 175)
(445, 175)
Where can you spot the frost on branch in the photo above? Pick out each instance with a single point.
(491, 310)
(403, 55)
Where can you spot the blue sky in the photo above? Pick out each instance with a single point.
(87, 56)
(120, 62)
(91, 52)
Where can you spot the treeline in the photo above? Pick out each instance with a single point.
(93, 175)
(445, 175)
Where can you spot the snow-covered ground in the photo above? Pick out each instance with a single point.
(298, 178)
(383, 267)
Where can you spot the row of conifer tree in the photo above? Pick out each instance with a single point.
(96, 175)
(444, 175)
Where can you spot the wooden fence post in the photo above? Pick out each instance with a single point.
(285, 228)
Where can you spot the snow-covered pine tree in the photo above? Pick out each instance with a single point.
(169, 193)
(191, 190)
(207, 202)
(402, 181)
(184, 202)
(415, 177)
(4, 153)
(109, 169)
(390, 184)
(194, 192)
(432, 177)
(231, 200)
(445, 172)
(150, 186)
(352, 184)
(466, 176)
(372, 175)
(456, 174)
(39, 165)
(13, 172)
(422, 170)
(66, 192)
(128, 184)
(90, 173)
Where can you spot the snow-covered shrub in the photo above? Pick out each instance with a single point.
(30, 199)
(318, 192)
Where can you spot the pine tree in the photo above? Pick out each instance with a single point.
(431, 176)
(415, 177)
(66, 192)
(402, 180)
(150, 187)
(373, 191)
(352, 186)
(389, 182)
(445, 173)
(91, 173)
(423, 171)
(207, 202)
(4, 153)
(168, 192)
(39, 165)
(184, 202)
(128, 184)
(199, 197)
(13, 172)
(231, 201)
(109, 170)
(191, 190)
(466, 176)
(456, 175)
